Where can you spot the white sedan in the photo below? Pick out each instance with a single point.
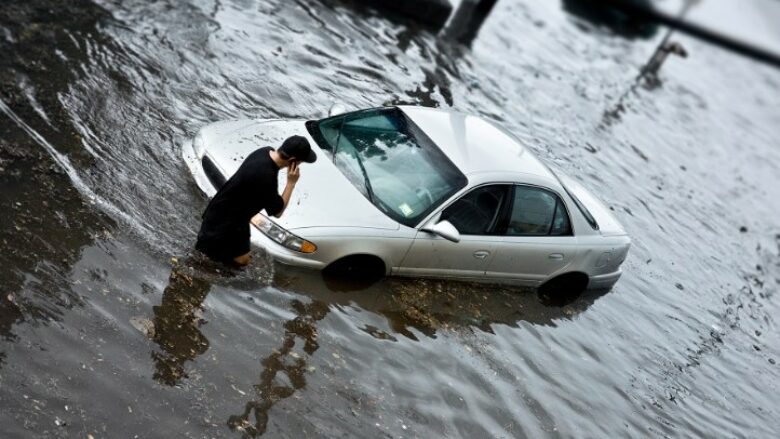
(413, 191)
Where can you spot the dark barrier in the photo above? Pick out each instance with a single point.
(430, 12)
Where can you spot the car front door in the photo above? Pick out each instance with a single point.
(476, 216)
(538, 239)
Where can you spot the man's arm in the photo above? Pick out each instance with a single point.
(293, 174)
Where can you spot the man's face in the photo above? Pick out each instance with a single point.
(289, 160)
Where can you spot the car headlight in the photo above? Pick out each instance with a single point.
(282, 236)
(199, 145)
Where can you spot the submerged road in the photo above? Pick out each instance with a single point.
(108, 328)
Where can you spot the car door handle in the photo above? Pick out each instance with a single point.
(556, 256)
(481, 254)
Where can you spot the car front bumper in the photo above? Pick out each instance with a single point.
(604, 281)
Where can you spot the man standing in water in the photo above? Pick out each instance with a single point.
(224, 233)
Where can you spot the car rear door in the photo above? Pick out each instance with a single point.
(537, 239)
(476, 215)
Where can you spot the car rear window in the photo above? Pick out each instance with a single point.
(584, 210)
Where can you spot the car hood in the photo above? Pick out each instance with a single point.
(323, 196)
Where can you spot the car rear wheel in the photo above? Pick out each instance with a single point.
(563, 289)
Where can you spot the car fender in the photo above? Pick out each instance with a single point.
(335, 243)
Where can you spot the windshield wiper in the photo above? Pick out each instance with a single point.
(365, 178)
(369, 191)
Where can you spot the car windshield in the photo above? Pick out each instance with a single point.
(390, 161)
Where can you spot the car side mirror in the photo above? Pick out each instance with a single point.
(336, 109)
(445, 229)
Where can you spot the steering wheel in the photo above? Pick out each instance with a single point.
(423, 191)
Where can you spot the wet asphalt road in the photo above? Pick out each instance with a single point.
(110, 328)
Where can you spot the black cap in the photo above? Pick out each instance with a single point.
(299, 148)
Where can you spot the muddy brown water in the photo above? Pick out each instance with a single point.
(109, 328)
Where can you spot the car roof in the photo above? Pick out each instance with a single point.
(477, 145)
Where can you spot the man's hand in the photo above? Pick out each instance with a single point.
(256, 220)
(293, 173)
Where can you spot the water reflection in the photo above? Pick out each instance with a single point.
(272, 387)
(176, 324)
(648, 77)
(429, 305)
(410, 306)
(177, 321)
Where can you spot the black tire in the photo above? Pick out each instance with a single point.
(563, 290)
(354, 272)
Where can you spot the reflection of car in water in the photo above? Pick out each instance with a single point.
(414, 191)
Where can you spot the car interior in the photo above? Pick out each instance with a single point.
(477, 212)
(531, 212)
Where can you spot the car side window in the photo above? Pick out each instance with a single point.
(537, 212)
(477, 212)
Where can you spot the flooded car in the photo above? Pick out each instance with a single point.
(422, 192)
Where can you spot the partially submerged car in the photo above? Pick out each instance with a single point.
(414, 191)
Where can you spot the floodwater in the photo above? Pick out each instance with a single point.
(110, 328)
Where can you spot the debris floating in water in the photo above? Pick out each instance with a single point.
(144, 325)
